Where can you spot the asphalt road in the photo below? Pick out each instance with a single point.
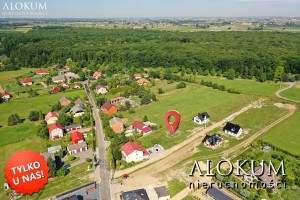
(104, 169)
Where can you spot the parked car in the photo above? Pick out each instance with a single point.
(67, 166)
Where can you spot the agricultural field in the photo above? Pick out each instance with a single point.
(292, 93)
(246, 86)
(285, 135)
(4, 76)
(218, 104)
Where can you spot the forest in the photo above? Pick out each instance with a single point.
(245, 52)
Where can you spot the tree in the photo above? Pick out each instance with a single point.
(14, 119)
(127, 105)
(117, 154)
(146, 99)
(160, 91)
(153, 97)
(181, 85)
(62, 172)
(230, 74)
(278, 73)
(82, 76)
(41, 115)
(34, 116)
(206, 73)
(32, 93)
(61, 153)
(51, 165)
(49, 80)
(56, 107)
(42, 130)
(145, 118)
(64, 119)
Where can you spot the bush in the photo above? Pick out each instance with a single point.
(34, 116)
(88, 160)
(62, 172)
(70, 158)
(14, 119)
(131, 111)
(181, 85)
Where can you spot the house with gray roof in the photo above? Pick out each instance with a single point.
(201, 118)
(54, 149)
(77, 111)
(162, 193)
(58, 79)
(76, 148)
(80, 102)
(140, 194)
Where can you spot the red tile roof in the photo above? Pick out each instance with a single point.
(137, 75)
(107, 105)
(76, 136)
(97, 74)
(26, 80)
(64, 85)
(115, 99)
(76, 85)
(5, 93)
(142, 81)
(55, 126)
(67, 67)
(41, 71)
(49, 115)
(130, 147)
(139, 125)
(55, 89)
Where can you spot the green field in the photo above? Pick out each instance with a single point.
(175, 186)
(292, 93)
(285, 135)
(218, 104)
(13, 74)
(246, 86)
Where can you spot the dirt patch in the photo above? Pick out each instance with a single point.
(297, 85)
(1, 89)
(286, 106)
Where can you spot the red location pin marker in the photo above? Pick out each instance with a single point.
(172, 127)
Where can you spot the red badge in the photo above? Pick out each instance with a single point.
(27, 172)
(172, 127)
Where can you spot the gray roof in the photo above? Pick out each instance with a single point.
(79, 102)
(47, 155)
(55, 148)
(162, 191)
(76, 146)
(267, 148)
(63, 99)
(140, 194)
(100, 86)
(218, 194)
(73, 126)
(115, 120)
(76, 109)
(58, 78)
(71, 75)
(201, 116)
(234, 128)
(213, 139)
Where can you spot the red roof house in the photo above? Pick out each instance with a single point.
(96, 75)
(56, 131)
(5, 95)
(77, 137)
(67, 67)
(115, 100)
(108, 108)
(51, 118)
(141, 128)
(132, 151)
(76, 86)
(55, 89)
(26, 81)
(137, 76)
(41, 71)
(64, 85)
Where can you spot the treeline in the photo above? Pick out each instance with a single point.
(247, 53)
(219, 87)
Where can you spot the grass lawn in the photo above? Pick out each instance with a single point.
(175, 186)
(292, 93)
(13, 74)
(285, 135)
(72, 161)
(218, 104)
(246, 86)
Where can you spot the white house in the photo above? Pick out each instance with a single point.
(233, 129)
(56, 131)
(101, 89)
(201, 118)
(133, 152)
(76, 148)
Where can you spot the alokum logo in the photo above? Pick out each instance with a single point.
(24, 9)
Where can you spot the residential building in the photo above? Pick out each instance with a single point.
(218, 194)
(54, 149)
(56, 131)
(132, 103)
(96, 75)
(77, 137)
(77, 148)
(140, 194)
(73, 127)
(115, 100)
(117, 125)
(121, 85)
(55, 89)
(70, 75)
(26, 81)
(141, 128)
(201, 118)
(108, 108)
(213, 140)
(137, 76)
(64, 85)
(63, 71)
(5, 96)
(80, 102)
(41, 71)
(262, 176)
(64, 101)
(76, 86)
(233, 129)
(142, 81)
(51, 118)
(58, 79)
(133, 152)
(77, 111)
(162, 193)
(267, 149)
(101, 89)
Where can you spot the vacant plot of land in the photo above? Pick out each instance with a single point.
(246, 86)
(175, 186)
(285, 135)
(292, 93)
(218, 104)
(13, 74)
